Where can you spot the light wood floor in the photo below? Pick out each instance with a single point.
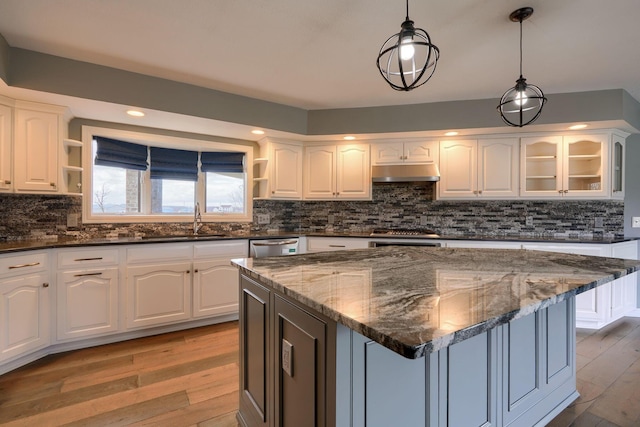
(190, 378)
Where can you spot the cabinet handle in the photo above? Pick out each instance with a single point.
(87, 274)
(566, 191)
(24, 265)
(338, 193)
(337, 246)
(479, 191)
(45, 285)
(53, 184)
(475, 192)
(6, 181)
(88, 259)
(560, 191)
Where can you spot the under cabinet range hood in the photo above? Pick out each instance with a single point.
(405, 173)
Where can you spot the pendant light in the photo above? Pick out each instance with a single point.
(522, 104)
(408, 59)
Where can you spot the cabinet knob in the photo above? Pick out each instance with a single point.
(480, 192)
(188, 271)
(53, 184)
(475, 191)
(566, 191)
(560, 191)
(273, 192)
(45, 285)
(195, 271)
(6, 181)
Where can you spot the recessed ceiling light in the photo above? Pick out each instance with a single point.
(257, 132)
(135, 113)
(349, 138)
(576, 127)
(452, 133)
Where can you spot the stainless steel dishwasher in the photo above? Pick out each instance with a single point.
(273, 247)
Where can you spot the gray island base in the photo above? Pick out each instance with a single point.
(412, 336)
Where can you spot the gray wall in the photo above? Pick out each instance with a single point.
(632, 190)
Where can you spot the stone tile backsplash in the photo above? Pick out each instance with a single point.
(400, 205)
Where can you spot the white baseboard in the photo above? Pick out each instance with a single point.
(633, 313)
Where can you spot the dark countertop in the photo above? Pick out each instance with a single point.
(26, 245)
(418, 300)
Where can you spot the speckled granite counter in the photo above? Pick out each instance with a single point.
(409, 299)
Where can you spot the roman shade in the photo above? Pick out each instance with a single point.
(111, 152)
(167, 163)
(222, 162)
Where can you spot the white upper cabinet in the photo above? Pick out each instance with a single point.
(617, 166)
(337, 172)
(486, 168)
(279, 174)
(6, 135)
(404, 152)
(37, 136)
(574, 166)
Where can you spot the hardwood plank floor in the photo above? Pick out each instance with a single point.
(190, 378)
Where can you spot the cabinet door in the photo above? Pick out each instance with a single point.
(585, 166)
(617, 163)
(36, 151)
(541, 167)
(24, 315)
(87, 302)
(256, 383)
(420, 152)
(215, 288)
(353, 180)
(498, 168)
(320, 172)
(387, 153)
(458, 169)
(285, 163)
(158, 294)
(6, 135)
(300, 361)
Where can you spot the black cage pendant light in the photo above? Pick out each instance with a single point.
(408, 59)
(522, 104)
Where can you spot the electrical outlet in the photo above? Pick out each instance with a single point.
(264, 218)
(424, 220)
(331, 219)
(598, 222)
(72, 220)
(529, 221)
(635, 222)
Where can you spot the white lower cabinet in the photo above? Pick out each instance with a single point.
(322, 244)
(215, 288)
(158, 294)
(87, 303)
(24, 314)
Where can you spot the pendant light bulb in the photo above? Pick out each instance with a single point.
(407, 51)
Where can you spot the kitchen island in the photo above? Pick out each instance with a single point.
(412, 336)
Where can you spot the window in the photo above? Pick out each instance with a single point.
(133, 177)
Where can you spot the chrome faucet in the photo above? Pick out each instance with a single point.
(197, 219)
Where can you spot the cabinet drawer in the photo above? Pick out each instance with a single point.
(78, 258)
(23, 264)
(172, 251)
(236, 248)
(316, 244)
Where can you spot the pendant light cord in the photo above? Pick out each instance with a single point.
(407, 11)
(520, 47)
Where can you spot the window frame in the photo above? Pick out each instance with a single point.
(163, 141)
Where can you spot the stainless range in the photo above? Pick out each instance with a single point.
(403, 238)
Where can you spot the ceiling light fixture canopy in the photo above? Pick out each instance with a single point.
(408, 59)
(522, 104)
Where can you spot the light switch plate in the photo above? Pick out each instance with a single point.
(529, 221)
(424, 220)
(287, 357)
(72, 220)
(598, 222)
(635, 222)
(264, 218)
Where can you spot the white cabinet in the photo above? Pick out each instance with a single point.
(486, 168)
(617, 166)
(6, 137)
(158, 294)
(337, 172)
(215, 280)
(570, 166)
(624, 296)
(279, 170)
(323, 244)
(386, 153)
(87, 293)
(24, 304)
(37, 135)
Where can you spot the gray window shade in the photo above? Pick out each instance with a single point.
(111, 152)
(167, 163)
(222, 162)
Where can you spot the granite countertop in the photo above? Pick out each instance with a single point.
(417, 300)
(26, 245)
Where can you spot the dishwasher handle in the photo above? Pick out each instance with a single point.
(275, 243)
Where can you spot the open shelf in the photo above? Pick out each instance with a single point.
(72, 168)
(71, 143)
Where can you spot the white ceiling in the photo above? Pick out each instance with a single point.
(321, 54)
